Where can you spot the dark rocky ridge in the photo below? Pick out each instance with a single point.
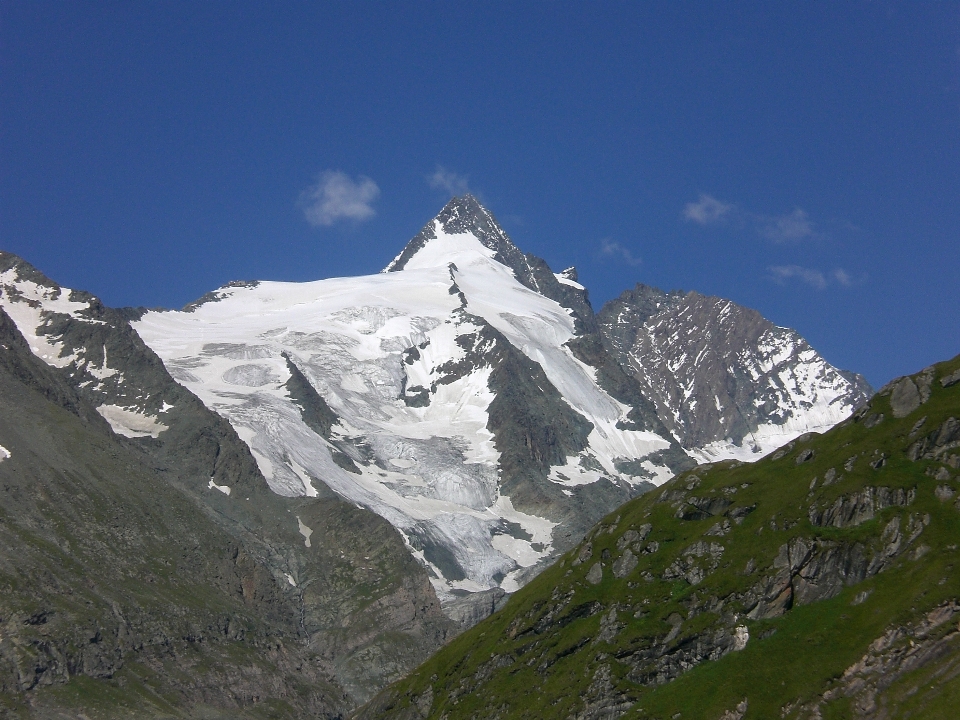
(534, 429)
(691, 353)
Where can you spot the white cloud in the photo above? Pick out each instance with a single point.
(610, 249)
(780, 274)
(706, 210)
(453, 184)
(335, 196)
(793, 227)
(842, 277)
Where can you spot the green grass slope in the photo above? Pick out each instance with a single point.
(818, 582)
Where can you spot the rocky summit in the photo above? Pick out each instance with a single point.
(376, 462)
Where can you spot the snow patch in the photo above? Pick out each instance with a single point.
(131, 423)
(103, 372)
(305, 531)
(4, 453)
(308, 489)
(225, 489)
(564, 280)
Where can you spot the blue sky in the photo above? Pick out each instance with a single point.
(801, 158)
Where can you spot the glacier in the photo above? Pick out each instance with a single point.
(363, 344)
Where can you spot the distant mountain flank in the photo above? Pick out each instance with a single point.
(727, 382)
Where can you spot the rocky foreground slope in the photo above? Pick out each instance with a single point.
(818, 582)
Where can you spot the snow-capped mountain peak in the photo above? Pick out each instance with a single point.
(461, 217)
(457, 408)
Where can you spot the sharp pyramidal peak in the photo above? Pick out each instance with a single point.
(462, 216)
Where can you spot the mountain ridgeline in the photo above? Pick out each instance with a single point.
(285, 496)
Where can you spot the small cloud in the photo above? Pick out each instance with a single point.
(780, 274)
(609, 249)
(786, 228)
(791, 227)
(842, 277)
(335, 196)
(706, 210)
(453, 184)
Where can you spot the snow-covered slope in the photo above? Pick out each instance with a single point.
(415, 367)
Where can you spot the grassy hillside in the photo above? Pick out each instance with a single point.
(819, 582)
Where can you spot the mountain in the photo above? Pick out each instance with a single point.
(470, 396)
(443, 394)
(817, 582)
(363, 606)
(395, 453)
(726, 382)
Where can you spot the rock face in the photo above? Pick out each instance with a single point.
(362, 602)
(832, 576)
(727, 382)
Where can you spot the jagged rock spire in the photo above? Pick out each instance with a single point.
(465, 214)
